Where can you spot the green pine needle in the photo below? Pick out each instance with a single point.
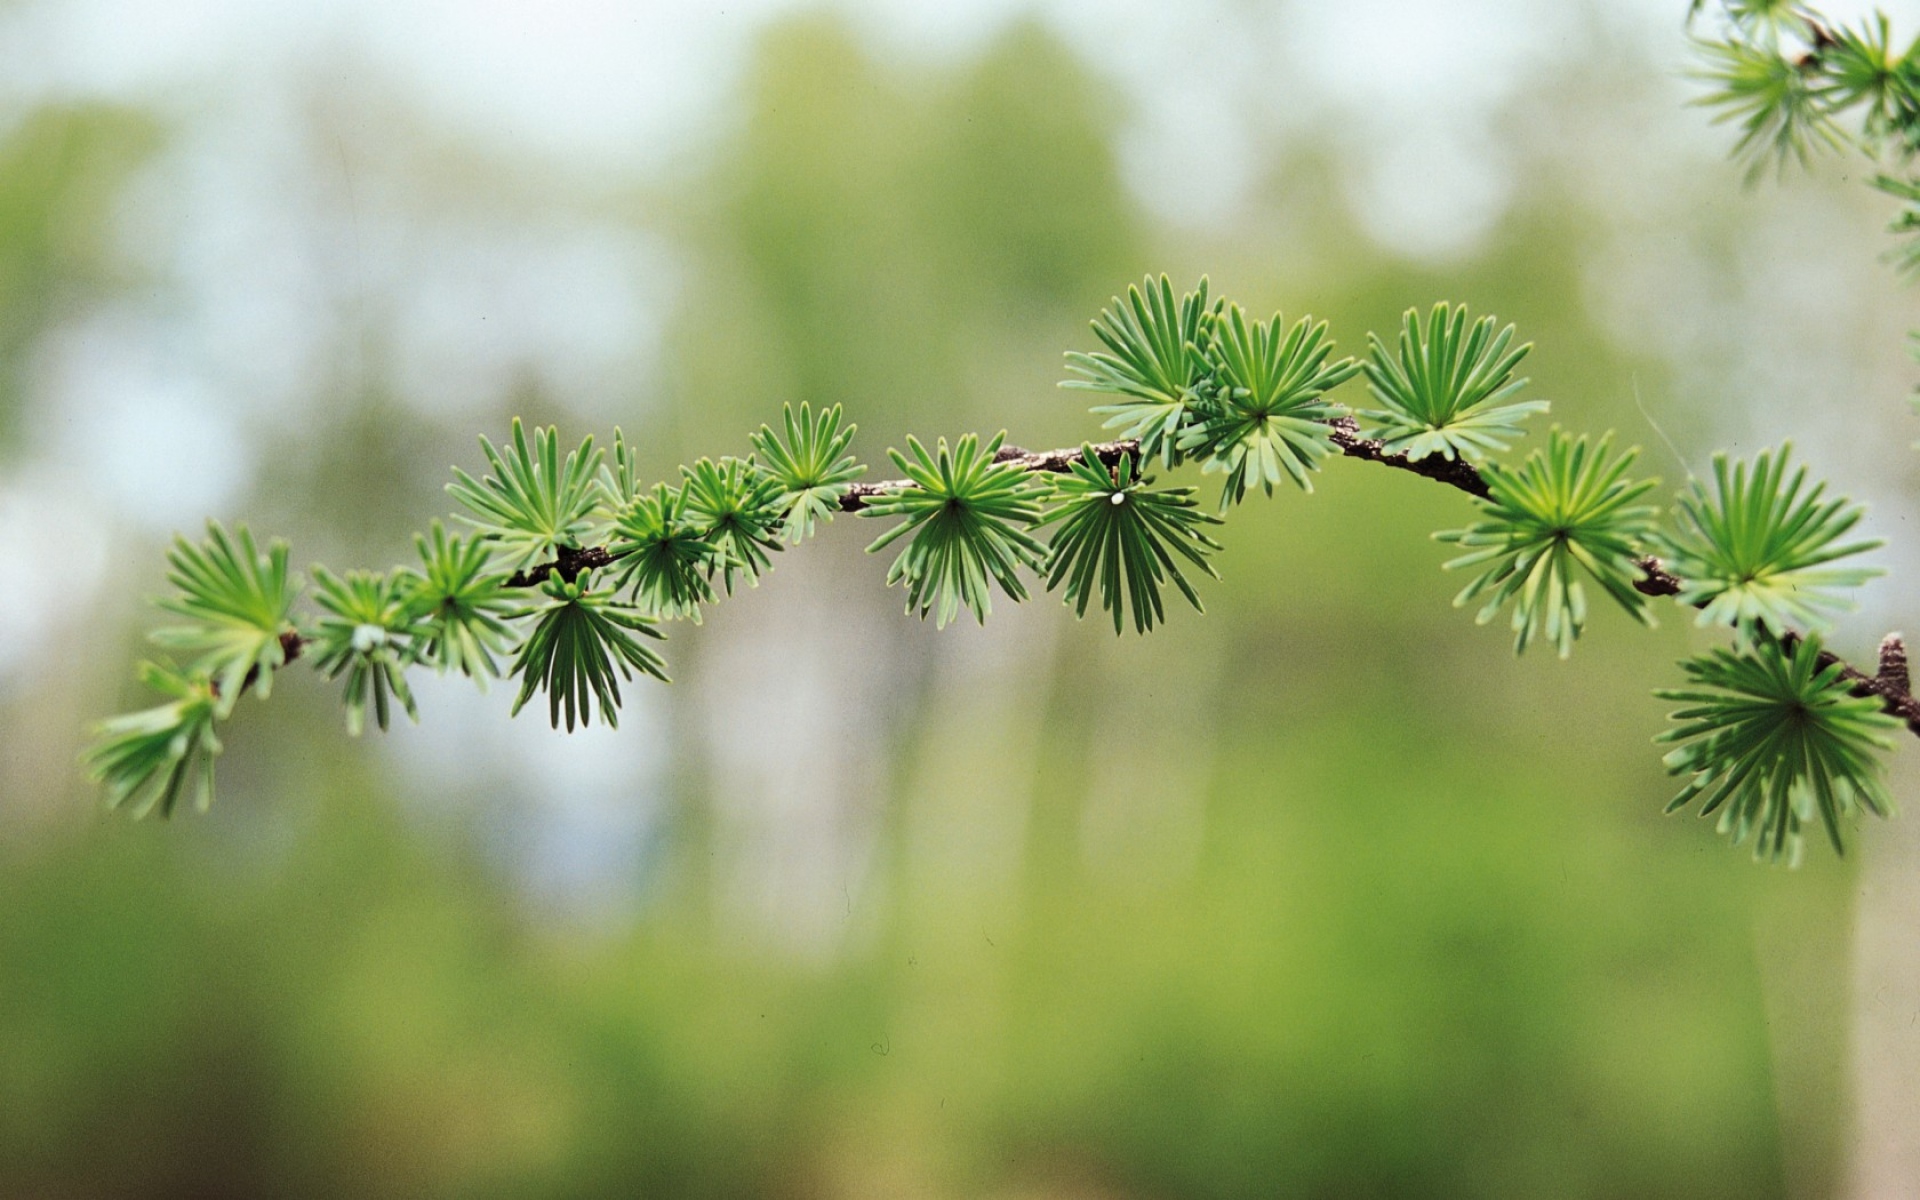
(1862, 70)
(737, 508)
(463, 610)
(1447, 392)
(239, 602)
(664, 554)
(1759, 18)
(533, 504)
(1564, 512)
(1754, 553)
(580, 640)
(619, 482)
(369, 634)
(1772, 738)
(149, 760)
(1156, 358)
(1905, 224)
(966, 523)
(1783, 112)
(1118, 538)
(1265, 421)
(812, 467)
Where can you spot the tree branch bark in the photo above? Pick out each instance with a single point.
(1890, 685)
(1057, 462)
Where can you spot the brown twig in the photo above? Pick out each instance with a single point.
(1057, 462)
(1454, 472)
(1658, 582)
(291, 646)
(567, 564)
(1890, 685)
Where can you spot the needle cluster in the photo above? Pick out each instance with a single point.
(575, 560)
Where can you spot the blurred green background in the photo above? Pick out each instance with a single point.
(1320, 894)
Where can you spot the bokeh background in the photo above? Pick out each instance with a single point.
(1320, 894)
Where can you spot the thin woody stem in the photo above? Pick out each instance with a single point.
(1890, 685)
(1056, 462)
